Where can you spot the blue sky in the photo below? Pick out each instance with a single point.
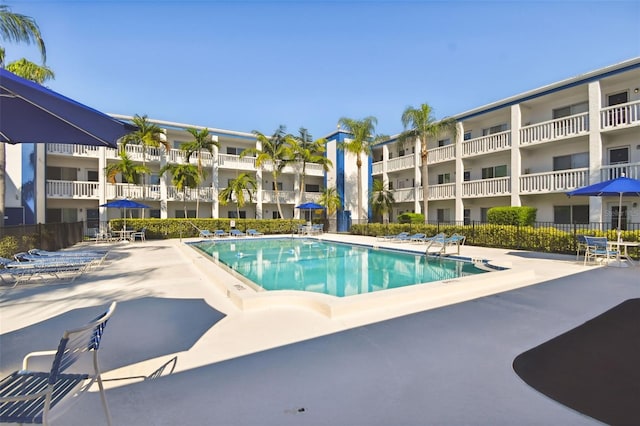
(253, 65)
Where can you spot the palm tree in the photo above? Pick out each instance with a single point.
(31, 71)
(381, 199)
(183, 176)
(276, 152)
(306, 150)
(202, 141)
(17, 28)
(330, 200)
(243, 183)
(129, 169)
(362, 132)
(421, 123)
(148, 135)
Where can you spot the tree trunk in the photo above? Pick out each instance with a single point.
(360, 212)
(275, 187)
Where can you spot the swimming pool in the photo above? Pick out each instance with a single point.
(331, 268)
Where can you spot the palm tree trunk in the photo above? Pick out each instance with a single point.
(275, 186)
(360, 212)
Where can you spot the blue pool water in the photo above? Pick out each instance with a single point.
(328, 267)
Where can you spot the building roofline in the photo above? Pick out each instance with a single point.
(186, 126)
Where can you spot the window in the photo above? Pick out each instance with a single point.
(61, 215)
(92, 175)
(570, 110)
(494, 172)
(617, 115)
(571, 161)
(494, 129)
(483, 214)
(571, 214)
(232, 150)
(401, 153)
(444, 142)
(154, 213)
(309, 187)
(444, 178)
(390, 185)
(154, 179)
(467, 216)
(62, 173)
(275, 214)
(273, 186)
(619, 155)
(180, 213)
(443, 215)
(466, 176)
(467, 135)
(234, 215)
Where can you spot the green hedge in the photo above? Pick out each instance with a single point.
(523, 216)
(176, 228)
(411, 218)
(540, 239)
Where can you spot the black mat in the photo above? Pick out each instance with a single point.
(594, 368)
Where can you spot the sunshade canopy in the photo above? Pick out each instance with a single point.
(614, 187)
(125, 204)
(310, 206)
(31, 113)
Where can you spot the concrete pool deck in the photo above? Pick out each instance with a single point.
(282, 364)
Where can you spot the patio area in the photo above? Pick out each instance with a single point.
(408, 363)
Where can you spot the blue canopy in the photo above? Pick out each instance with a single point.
(125, 204)
(310, 206)
(614, 187)
(30, 113)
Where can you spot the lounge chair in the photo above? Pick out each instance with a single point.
(205, 233)
(418, 238)
(237, 233)
(398, 236)
(28, 396)
(220, 233)
(253, 233)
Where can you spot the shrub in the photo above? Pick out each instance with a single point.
(523, 216)
(411, 218)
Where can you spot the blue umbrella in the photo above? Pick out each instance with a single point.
(31, 113)
(125, 204)
(617, 187)
(310, 207)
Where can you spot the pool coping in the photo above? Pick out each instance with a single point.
(422, 296)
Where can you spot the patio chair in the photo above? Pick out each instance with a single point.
(28, 396)
(253, 233)
(220, 233)
(393, 237)
(581, 245)
(139, 234)
(237, 233)
(418, 238)
(598, 248)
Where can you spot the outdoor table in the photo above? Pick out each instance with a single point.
(625, 252)
(124, 235)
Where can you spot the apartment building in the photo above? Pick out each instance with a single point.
(529, 149)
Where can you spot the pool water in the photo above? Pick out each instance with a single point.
(327, 267)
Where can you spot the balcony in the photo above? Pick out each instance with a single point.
(73, 150)
(446, 191)
(495, 187)
(630, 170)
(401, 163)
(286, 197)
(228, 161)
(377, 168)
(72, 189)
(561, 128)
(442, 153)
(190, 194)
(404, 195)
(620, 116)
(557, 181)
(487, 144)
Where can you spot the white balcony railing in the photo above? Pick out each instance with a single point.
(442, 153)
(401, 163)
(228, 161)
(486, 144)
(560, 128)
(403, 195)
(630, 170)
(623, 115)
(444, 191)
(72, 189)
(557, 181)
(377, 168)
(75, 150)
(286, 197)
(487, 187)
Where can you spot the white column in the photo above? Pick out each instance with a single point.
(516, 158)
(596, 212)
(40, 189)
(215, 184)
(163, 179)
(459, 213)
(417, 177)
(102, 185)
(259, 211)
